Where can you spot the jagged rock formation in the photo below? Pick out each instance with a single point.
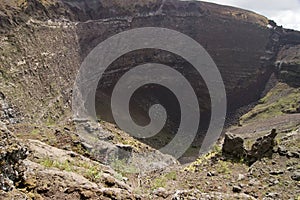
(261, 147)
(233, 146)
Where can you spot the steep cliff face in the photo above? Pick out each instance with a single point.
(240, 43)
(288, 60)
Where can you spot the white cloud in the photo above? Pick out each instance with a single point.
(283, 12)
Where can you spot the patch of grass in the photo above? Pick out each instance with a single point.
(79, 149)
(35, 132)
(217, 149)
(47, 162)
(50, 121)
(118, 176)
(171, 176)
(123, 167)
(204, 158)
(248, 143)
(278, 140)
(162, 180)
(89, 171)
(222, 167)
(280, 100)
(93, 173)
(3, 74)
(159, 182)
(138, 191)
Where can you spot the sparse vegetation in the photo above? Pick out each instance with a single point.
(222, 167)
(48, 162)
(93, 173)
(202, 159)
(171, 176)
(159, 182)
(280, 100)
(162, 180)
(89, 171)
(124, 167)
(35, 132)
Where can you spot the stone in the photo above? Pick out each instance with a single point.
(296, 176)
(8, 113)
(290, 168)
(282, 151)
(161, 192)
(272, 195)
(254, 182)
(124, 151)
(236, 189)
(233, 146)
(273, 182)
(196, 194)
(210, 174)
(109, 181)
(241, 177)
(293, 154)
(276, 172)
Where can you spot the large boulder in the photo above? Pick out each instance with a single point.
(233, 146)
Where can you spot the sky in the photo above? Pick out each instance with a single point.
(283, 12)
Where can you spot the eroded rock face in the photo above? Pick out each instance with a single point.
(44, 43)
(288, 60)
(244, 54)
(41, 58)
(12, 153)
(8, 114)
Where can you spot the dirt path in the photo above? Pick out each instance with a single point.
(281, 123)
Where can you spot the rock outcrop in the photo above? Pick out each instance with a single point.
(262, 147)
(234, 147)
(57, 174)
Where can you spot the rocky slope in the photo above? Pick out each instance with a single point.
(42, 44)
